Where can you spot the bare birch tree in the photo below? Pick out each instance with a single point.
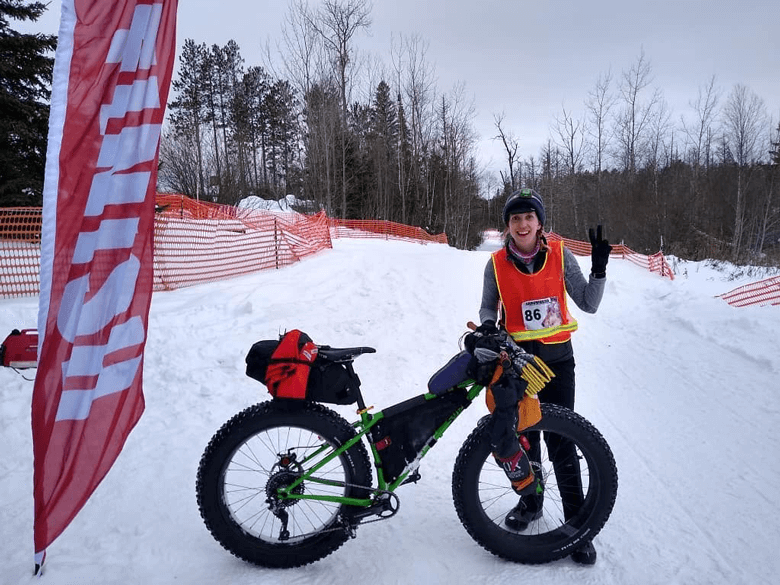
(744, 121)
(511, 144)
(636, 114)
(700, 132)
(570, 142)
(418, 91)
(336, 22)
(599, 104)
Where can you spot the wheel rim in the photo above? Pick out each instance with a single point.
(272, 459)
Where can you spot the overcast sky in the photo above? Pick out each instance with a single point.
(529, 59)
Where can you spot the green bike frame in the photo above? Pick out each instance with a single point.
(363, 427)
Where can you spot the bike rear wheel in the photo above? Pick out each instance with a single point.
(483, 496)
(267, 447)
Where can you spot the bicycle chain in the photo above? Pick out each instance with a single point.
(346, 523)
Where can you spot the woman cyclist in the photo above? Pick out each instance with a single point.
(528, 281)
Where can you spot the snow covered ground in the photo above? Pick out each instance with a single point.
(683, 386)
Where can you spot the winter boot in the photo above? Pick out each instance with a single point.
(585, 555)
(527, 510)
(530, 507)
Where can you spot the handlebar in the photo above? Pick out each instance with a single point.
(513, 358)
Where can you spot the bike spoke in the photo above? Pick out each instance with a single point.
(263, 477)
(250, 472)
(497, 498)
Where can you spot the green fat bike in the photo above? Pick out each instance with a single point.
(286, 482)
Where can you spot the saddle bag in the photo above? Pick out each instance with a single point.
(291, 368)
(330, 382)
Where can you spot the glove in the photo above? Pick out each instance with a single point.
(488, 328)
(483, 337)
(520, 359)
(507, 391)
(599, 253)
(484, 347)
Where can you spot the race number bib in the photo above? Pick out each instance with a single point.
(542, 313)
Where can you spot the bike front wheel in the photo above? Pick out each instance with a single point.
(577, 466)
(269, 446)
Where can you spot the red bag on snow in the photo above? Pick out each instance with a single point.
(288, 369)
(20, 349)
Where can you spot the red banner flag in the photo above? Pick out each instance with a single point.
(112, 73)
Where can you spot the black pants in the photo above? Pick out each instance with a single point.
(562, 452)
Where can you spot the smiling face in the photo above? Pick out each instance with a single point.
(524, 228)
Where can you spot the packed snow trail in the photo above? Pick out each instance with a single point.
(683, 387)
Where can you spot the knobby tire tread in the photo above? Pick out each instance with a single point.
(234, 433)
(521, 548)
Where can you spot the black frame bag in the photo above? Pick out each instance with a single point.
(406, 427)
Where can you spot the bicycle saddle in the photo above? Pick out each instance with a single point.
(342, 354)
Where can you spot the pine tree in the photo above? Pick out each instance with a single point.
(280, 104)
(250, 122)
(384, 146)
(188, 110)
(25, 91)
(404, 161)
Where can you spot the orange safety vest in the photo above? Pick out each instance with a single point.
(534, 305)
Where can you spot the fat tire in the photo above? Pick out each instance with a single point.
(483, 518)
(246, 430)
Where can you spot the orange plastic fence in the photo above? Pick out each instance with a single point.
(365, 228)
(654, 263)
(20, 251)
(198, 241)
(763, 292)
